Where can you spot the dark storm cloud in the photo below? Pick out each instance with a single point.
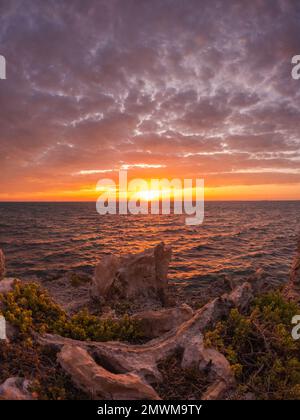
(96, 84)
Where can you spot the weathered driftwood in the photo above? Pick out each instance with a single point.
(142, 360)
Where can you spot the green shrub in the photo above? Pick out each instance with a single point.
(260, 348)
(84, 326)
(30, 308)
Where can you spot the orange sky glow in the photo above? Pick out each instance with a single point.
(158, 91)
(226, 193)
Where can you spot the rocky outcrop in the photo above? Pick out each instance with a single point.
(221, 376)
(7, 285)
(2, 265)
(292, 289)
(140, 276)
(15, 389)
(242, 296)
(99, 382)
(156, 323)
(3, 335)
(142, 360)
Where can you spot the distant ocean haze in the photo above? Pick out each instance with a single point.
(47, 239)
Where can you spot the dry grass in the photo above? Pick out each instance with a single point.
(178, 383)
(39, 365)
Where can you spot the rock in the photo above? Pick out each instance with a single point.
(216, 391)
(105, 273)
(99, 382)
(292, 289)
(220, 373)
(211, 363)
(3, 335)
(260, 282)
(8, 332)
(156, 323)
(15, 389)
(2, 265)
(142, 360)
(7, 285)
(134, 276)
(242, 296)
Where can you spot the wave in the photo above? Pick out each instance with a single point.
(233, 239)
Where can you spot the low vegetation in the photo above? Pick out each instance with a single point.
(30, 308)
(25, 359)
(258, 345)
(260, 348)
(179, 383)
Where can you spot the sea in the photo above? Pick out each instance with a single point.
(46, 240)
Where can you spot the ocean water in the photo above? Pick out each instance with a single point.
(237, 238)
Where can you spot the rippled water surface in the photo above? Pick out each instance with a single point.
(236, 238)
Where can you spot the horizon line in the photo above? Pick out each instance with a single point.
(94, 201)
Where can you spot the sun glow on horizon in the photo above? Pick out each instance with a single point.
(90, 193)
(149, 195)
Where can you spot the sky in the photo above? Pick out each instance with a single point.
(162, 88)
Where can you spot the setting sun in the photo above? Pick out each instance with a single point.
(148, 195)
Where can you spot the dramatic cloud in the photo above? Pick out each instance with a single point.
(198, 88)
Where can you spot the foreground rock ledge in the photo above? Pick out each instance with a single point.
(15, 389)
(99, 382)
(156, 323)
(142, 360)
(134, 276)
(7, 285)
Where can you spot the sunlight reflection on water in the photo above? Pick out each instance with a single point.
(236, 238)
